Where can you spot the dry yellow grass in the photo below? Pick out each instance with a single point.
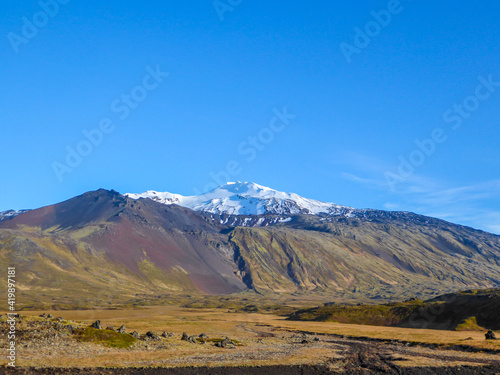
(249, 329)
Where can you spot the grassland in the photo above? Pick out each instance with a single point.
(468, 310)
(263, 339)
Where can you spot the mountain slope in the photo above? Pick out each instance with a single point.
(134, 246)
(387, 256)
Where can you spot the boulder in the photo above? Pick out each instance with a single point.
(44, 315)
(136, 334)
(96, 324)
(167, 334)
(110, 328)
(153, 336)
(203, 336)
(226, 343)
(50, 316)
(121, 329)
(186, 337)
(490, 335)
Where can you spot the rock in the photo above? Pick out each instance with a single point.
(97, 324)
(136, 334)
(110, 328)
(121, 329)
(152, 336)
(50, 316)
(167, 334)
(186, 337)
(225, 343)
(203, 336)
(490, 335)
(43, 315)
(60, 318)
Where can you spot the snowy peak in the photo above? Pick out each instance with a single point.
(247, 198)
(11, 214)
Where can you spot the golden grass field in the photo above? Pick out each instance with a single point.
(264, 339)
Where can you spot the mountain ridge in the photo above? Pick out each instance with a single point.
(247, 198)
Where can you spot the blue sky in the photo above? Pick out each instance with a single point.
(381, 104)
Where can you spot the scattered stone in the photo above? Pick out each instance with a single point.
(167, 334)
(185, 336)
(97, 324)
(44, 315)
(136, 334)
(50, 316)
(490, 335)
(60, 318)
(203, 336)
(110, 328)
(121, 329)
(226, 343)
(316, 339)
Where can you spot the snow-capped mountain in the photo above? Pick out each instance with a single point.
(11, 213)
(248, 198)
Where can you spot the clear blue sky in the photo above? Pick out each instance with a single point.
(365, 81)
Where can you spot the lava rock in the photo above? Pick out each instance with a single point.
(490, 335)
